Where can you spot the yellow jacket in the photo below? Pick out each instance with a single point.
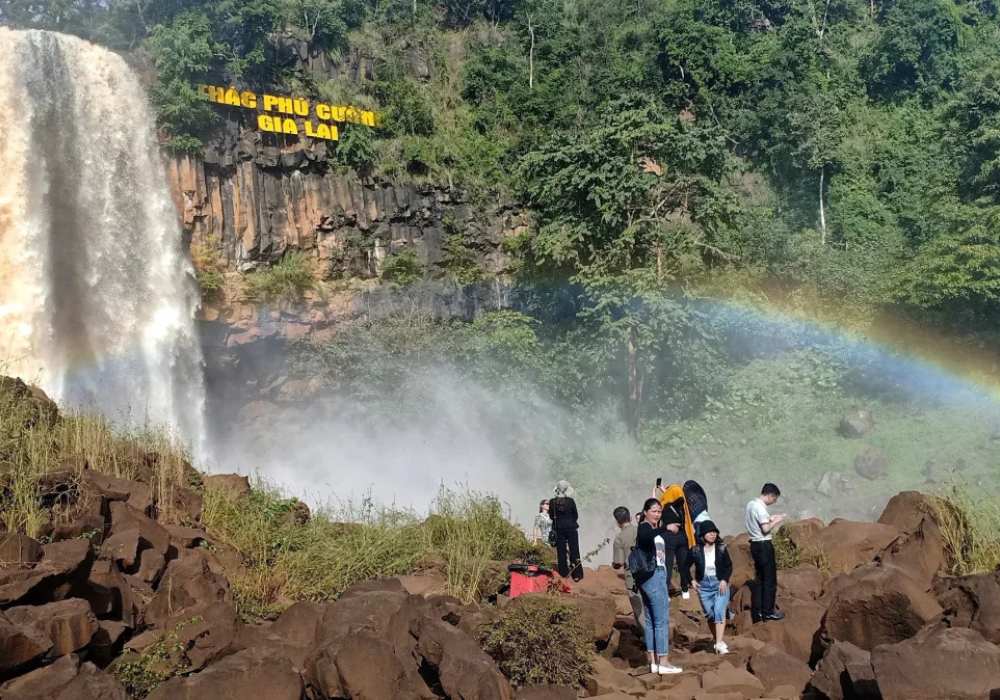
(673, 493)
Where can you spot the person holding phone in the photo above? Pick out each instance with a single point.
(760, 525)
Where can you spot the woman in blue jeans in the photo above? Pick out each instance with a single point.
(713, 569)
(656, 601)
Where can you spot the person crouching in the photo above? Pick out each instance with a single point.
(713, 569)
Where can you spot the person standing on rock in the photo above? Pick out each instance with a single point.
(623, 545)
(562, 511)
(543, 524)
(679, 537)
(760, 526)
(713, 568)
(650, 538)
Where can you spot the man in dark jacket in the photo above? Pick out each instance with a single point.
(713, 569)
(562, 510)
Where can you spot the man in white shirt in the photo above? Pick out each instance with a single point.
(760, 526)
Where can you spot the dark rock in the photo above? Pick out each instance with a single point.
(28, 403)
(123, 549)
(151, 565)
(185, 537)
(846, 544)
(85, 525)
(877, 605)
(135, 493)
(61, 565)
(776, 668)
(69, 624)
(857, 423)
(92, 684)
(17, 549)
(545, 692)
(872, 463)
(110, 594)
(20, 644)
(125, 518)
(188, 503)
(188, 587)
(252, 673)
(728, 679)
(107, 642)
(464, 670)
(938, 662)
(845, 673)
(972, 601)
(43, 682)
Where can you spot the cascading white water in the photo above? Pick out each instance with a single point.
(97, 298)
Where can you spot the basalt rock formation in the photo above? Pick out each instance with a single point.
(114, 578)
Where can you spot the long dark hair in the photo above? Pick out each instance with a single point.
(650, 502)
(541, 503)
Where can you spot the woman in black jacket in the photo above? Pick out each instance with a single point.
(713, 569)
(562, 510)
(650, 539)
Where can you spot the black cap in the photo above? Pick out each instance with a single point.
(706, 526)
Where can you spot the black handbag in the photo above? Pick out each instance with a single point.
(641, 566)
(552, 537)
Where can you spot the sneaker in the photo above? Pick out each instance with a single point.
(654, 668)
(686, 595)
(776, 615)
(721, 648)
(669, 668)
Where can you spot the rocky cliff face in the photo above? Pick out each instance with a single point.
(258, 198)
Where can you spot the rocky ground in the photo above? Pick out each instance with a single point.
(112, 600)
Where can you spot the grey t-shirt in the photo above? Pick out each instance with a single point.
(756, 516)
(623, 545)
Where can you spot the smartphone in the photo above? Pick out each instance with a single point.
(659, 480)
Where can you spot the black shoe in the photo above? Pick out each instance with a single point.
(776, 615)
(757, 620)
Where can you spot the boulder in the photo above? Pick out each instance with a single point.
(246, 674)
(846, 544)
(464, 670)
(32, 405)
(123, 549)
(107, 642)
(605, 678)
(877, 604)
(775, 668)
(136, 494)
(872, 463)
(20, 644)
(82, 525)
(729, 679)
(906, 511)
(17, 549)
(62, 564)
(44, 682)
(187, 503)
(939, 662)
(151, 565)
(185, 537)
(152, 534)
(798, 634)
(844, 673)
(972, 601)
(207, 636)
(920, 548)
(856, 424)
(739, 552)
(92, 684)
(597, 611)
(232, 485)
(69, 624)
(557, 692)
(188, 587)
(109, 593)
(804, 582)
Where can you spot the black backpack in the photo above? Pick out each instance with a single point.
(641, 566)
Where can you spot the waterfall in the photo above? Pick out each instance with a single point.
(97, 297)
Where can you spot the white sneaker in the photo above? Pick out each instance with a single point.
(686, 595)
(669, 668)
(653, 668)
(721, 648)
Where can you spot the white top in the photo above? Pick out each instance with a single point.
(756, 516)
(710, 560)
(661, 551)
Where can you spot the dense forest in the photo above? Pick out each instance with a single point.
(839, 158)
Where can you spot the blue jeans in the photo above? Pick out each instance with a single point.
(713, 602)
(657, 618)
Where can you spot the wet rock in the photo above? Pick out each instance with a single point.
(857, 424)
(872, 463)
(938, 663)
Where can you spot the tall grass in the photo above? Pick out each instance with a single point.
(970, 527)
(34, 446)
(465, 536)
(285, 281)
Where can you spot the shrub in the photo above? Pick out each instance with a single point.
(971, 531)
(402, 268)
(539, 640)
(141, 673)
(786, 554)
(208, 265)
(285, 281)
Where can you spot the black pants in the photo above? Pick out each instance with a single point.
(677, 549)
(764, 588)
(568, 553)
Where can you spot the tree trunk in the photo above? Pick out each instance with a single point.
(531, 56)
(634, 402)
(822, 212)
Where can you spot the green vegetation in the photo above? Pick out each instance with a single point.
(402, 268)
(539, 640)
(284, 282)
(141, 672)
(287, 560)
(209, 266)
